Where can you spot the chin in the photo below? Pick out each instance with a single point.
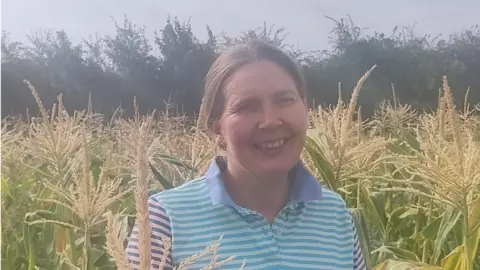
(275, 166)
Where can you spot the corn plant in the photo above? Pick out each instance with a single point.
(443, 169)
(74, 184)
(415, 199)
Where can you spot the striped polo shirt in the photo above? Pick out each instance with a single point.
(313, 231)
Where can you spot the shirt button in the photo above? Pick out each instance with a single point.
(279, 232)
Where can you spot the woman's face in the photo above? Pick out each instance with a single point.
(264, 122)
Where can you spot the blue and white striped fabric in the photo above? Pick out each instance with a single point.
(314, 231)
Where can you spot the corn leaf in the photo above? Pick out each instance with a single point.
(159, 177)
(75, 251)
(48, 240)
(403, 265)
(397, 220)
(374, 210)
(29, 234)
(399, 147)
(471, 246)
(449, 219)
(175, 161)
(474, 215)
(410, 139)
(50, 215)
(321, 164)
(95, 254)
(453, 261)
(431, 230)
(14, 258)
(398, 252)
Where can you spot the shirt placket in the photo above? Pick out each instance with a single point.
(269, 236)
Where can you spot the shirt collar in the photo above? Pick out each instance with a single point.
(305, 186)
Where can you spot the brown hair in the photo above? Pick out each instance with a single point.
(232, 60)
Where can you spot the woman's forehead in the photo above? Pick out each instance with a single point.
(259, 79)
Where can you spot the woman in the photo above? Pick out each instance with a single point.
(268, 209)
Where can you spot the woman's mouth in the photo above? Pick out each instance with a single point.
(270, 145)
(271, 148)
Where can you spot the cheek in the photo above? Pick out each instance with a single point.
(297, 118)
(238, 131)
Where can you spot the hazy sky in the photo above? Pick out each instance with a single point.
(303, 19)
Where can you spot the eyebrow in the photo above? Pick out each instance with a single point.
(285, 92)
(252, 98)
(242, 101)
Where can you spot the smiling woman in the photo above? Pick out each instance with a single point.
(268, 209)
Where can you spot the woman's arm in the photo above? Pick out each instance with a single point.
(358, 260)
(160, 229)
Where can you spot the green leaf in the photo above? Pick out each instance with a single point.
(458, 233)
(95, 254)
(403, 265)
(125, 177)
(48, 238)
(74, 251)
(96, 168)
(159, 177)
(453, 261)
(61, 262)
(26, 236)
(375, 210)
(5, 188)
(431, 230)
(417, 184)
(397, 221)
(175, 161)
(51, 215)
(399, 253)
(472, 244)
(399, 147)
(410, 139)
(379, 201)
(13, 258)
(409, 212)
(474, 215)
(19, 263)
(104, 262)
(450, 218)
(321, 164)
(29, 234)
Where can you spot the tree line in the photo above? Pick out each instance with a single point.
(170, 69)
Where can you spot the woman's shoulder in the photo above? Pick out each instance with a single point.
(330, 198)
(190, 188)
(330, 208)
(329, 194)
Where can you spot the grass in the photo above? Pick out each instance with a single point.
(411, 180)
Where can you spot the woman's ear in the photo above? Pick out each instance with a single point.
(217, 133)
(216, 129)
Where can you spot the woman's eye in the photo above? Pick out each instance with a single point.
(287, 100)
(244, 107)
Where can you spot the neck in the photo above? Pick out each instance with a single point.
(266, 194)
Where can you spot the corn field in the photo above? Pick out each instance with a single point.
(73, 185)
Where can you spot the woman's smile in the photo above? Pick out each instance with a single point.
(271, 148)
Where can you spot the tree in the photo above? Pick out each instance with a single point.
(185, 62)
(115, 69)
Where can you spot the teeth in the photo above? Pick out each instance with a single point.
(271, 145)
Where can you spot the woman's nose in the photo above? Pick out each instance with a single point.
(270, 118)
